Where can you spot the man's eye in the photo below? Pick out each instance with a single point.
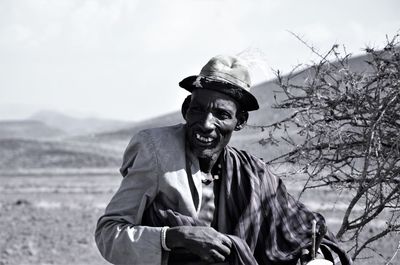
(223, 115)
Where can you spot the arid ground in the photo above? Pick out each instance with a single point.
(51, 219)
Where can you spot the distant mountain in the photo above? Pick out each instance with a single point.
(46, 142)
(266, 92)
(28, 129)
(100, 143)
(33, 154)
(126, 134)
(78, 126)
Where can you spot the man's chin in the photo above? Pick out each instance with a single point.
(205, 153)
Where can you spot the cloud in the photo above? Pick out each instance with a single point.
(15, 34)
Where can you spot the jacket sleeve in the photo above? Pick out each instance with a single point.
(119, 236)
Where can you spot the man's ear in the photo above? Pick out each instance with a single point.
(242, 118)
(185, 106)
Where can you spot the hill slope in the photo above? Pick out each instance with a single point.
(124, 135)
(105, 149)
(33, 154)
(28, 129)
(78, 126)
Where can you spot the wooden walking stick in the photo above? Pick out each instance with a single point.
(316, 242)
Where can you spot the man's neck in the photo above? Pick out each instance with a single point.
(207, 163)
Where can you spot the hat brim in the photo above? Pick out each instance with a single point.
(246, 100)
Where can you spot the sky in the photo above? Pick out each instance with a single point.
(123, 59)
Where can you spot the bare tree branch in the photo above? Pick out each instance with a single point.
(344, 133)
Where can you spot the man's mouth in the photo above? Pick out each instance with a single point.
(204, 139)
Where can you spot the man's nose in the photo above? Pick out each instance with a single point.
(209, 122)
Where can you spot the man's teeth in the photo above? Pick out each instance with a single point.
(204, 139)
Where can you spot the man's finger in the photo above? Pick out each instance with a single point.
(223, 249)
(216, 256)
(209, 259)
(226, 241)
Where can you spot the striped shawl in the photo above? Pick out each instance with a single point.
(266, 225)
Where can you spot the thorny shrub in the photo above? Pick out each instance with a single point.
(347, 124)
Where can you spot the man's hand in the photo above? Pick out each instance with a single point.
(305, 257)
(205, 242)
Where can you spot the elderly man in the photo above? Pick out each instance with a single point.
(186, 197)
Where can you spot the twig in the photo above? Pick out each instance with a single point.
(394, 254)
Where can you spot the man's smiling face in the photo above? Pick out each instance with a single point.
(210, 120)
